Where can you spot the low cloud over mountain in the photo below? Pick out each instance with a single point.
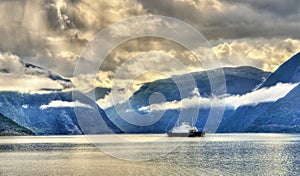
(264, 95)
(16, 75)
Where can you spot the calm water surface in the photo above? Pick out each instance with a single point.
(215, 154)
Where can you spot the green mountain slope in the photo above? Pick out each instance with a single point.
(283, 116)
(10, 128)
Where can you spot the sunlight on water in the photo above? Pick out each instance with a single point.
(43, 139)
(215, 154)
(81, 139)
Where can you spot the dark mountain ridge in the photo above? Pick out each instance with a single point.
(10, 128)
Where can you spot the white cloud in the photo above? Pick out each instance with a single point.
(271, 94)
(10, 63)
(62, 104)
(87, 82)
(135, 68)
(263, 95)
(106, 102)
(68, 55)
(15, 76)
(260, 53)
(115, 97)
(26, 83)
(148, 67)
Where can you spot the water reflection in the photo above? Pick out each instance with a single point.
(230, 154)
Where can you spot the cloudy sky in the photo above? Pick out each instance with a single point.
(53, 34)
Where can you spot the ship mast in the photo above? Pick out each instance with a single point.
(192, 121)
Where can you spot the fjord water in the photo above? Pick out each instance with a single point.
(215, 154)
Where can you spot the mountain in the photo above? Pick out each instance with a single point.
(242, 118)
(165, 123)
(43, 102)
(239, 80)
(282, 116)
(57, 111)
(288, 72)
(54, 113)
(264, 117)
(201, 122)
(10, 128)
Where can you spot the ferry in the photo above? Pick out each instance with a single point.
(185, 130)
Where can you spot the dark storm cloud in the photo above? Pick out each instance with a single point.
(278, 8)
(42, 32)
(230, 19)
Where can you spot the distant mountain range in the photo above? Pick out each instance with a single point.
(280, 116)
(52, 111)
(56, 111)
(239, 80)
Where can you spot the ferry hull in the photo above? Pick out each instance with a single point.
(190, 134)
